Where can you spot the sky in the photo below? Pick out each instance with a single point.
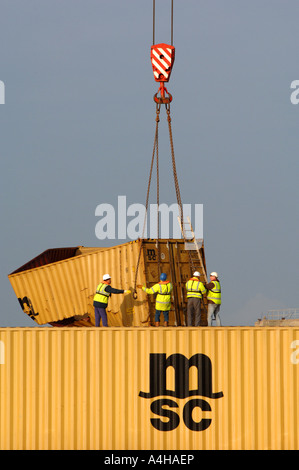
(77, 130)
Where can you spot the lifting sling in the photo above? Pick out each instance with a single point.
(162, 58)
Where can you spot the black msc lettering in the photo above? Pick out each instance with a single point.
(158, 388)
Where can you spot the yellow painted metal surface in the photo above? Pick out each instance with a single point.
(62, 291)
(106, 388)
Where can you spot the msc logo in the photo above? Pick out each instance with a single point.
(158, 387)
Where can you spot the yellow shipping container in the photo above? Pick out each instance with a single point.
(149, 388)
(58, 286)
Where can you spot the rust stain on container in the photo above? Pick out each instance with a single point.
(107, 388)
(58, 286)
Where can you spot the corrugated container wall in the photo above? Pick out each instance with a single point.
(58, 286)
(149, 388)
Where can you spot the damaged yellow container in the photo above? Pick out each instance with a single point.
(57, 287)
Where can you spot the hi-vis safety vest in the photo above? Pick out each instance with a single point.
(101, 294)
(215, 293)
(195, 288)
(163, 290)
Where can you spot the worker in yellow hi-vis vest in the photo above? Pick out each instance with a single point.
(163, 290)
(100, 300)
(214, 299)
(195, 290)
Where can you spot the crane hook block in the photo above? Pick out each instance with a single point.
(162, 58)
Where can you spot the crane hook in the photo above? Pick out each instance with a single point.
(162, 59)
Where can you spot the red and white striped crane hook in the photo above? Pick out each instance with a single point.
(162, 59)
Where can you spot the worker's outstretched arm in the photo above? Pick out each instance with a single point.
(114, 291)
(150, 290)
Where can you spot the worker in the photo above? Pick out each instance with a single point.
(100, 300)
(163, 290)
(214, 299)
(195, 290)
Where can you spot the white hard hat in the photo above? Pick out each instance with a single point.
(196, 274)
(214, 274)
(106, 277)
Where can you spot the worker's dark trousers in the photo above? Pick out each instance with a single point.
(100, 313)
(193, 308)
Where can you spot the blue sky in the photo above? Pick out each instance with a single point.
(77, 130)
